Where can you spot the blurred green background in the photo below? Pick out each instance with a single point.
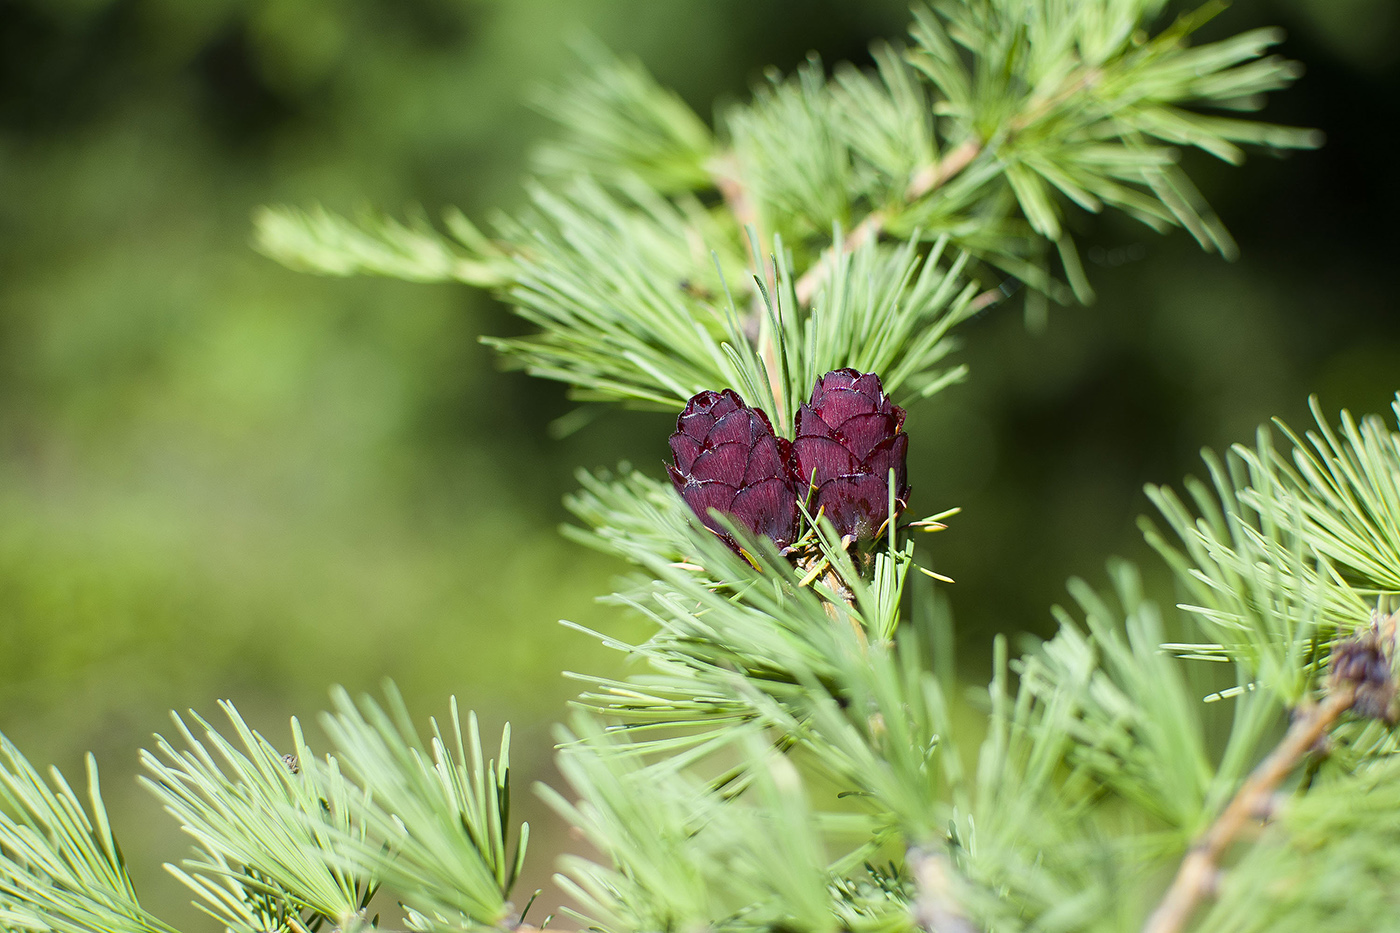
(219, 478)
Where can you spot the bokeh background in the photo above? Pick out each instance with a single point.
(219, 478)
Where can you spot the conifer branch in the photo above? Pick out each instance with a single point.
(61, 869)
(1361, 678)
(864, 232)
(853, 215)
(931, 177)
(1198, 876)
(925, 181)
(1049, 108)
(728, 179)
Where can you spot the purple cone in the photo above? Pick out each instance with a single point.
(728, 459)
(848, 440)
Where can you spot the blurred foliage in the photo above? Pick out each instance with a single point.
(222, 479)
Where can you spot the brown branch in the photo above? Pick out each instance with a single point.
(986, 299)
(1360, 680)
(932, 177)
(925, 181)
(812, 279)
(1085, 79)
(724, 171)
(840, 606)
(1200, 868)
(729, 180)
(833, 581)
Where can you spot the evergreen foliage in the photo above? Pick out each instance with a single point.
(791, 751)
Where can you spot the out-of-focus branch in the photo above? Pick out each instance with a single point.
(724, 170)
(935, 910)
(939, 173)
(728, 178)
(811, 280)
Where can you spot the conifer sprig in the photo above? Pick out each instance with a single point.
(265, 825)
(1102, 709)
(1324, 864)
(294, 842)
(1197, 875)
(438, 812)
(61, 869)
(974, 139)
(1093, 775)
(783, 754)
(686, 855)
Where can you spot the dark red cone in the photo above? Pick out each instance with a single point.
(727, 458)
(848, 440)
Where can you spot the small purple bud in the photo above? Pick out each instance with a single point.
(848, 440)
(728, 459)
(1363, 663)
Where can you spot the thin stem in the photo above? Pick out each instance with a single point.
(867, 229)
(1077, 81)
(724, 171)
(925, 181)
(1199, 869)
(833, 581)
(932, 177)
(986, 299)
